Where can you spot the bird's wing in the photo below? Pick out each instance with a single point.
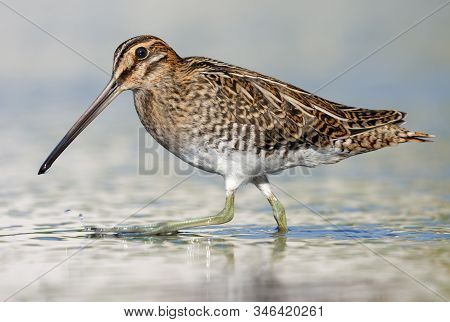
(287, 113)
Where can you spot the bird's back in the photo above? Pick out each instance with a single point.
(284, 116)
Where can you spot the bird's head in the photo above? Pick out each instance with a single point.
(143, 62)
(140, 62)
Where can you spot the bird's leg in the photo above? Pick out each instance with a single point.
(279, 213)
(222, 217)
(262, 183)
(171, 227)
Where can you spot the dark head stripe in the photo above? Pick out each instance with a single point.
(123, 47)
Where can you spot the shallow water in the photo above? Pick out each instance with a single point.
(236, 262)
(375, 227)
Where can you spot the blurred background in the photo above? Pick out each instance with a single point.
(381, 214)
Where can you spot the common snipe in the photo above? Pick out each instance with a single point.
(235, 122)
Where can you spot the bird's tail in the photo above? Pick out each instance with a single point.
(405, 135)
(380, 137)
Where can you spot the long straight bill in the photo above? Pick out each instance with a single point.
(101, 102)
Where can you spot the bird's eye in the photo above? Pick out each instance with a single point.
(141, 53)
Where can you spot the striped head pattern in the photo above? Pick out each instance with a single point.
(142, 60)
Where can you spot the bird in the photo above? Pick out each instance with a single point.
(235, 122)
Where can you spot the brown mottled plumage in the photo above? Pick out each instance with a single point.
(236, 122)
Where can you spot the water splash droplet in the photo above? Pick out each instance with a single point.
(81, 217)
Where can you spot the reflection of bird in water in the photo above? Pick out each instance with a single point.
(235, 122)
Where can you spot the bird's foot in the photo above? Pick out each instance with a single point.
(162, 228)
(171, 227)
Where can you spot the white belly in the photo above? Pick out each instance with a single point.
(245, 165)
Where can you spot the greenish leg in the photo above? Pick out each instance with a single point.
(171, 227)
(279, 213)
(262, 183)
